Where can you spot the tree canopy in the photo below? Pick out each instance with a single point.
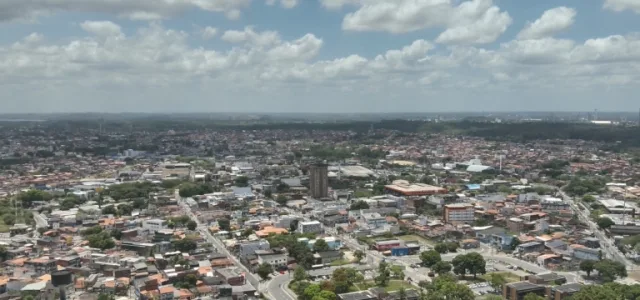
(472, 263)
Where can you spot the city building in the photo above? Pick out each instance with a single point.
(518, 290)
(310, 227)
(387, 245)
(319, 181)
(404, 188)
(277, 260)
(154, 224)
(564, 291)
(459, 213)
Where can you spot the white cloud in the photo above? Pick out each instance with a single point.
(471, 22)
(248, 35)
(102, 28)
(476, 22)
(209, 32)
(337, 4)
(33, 38)
(284, 3)
(399, 16)
(263, 70)
(621, 5)
(135, 10)
(550, 23)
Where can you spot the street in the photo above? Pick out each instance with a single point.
(202, 228)
(609, 249)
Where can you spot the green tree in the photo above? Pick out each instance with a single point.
(441, 248)
(311, 291)
(224, 224)
(192, 225)
(101, 241)
(472, 263)
(68, 203)
(360, 204)
(267, 194)
(344, 278)
(402, 294)
(320, 246)
(299, 274)
(397, 272)
(587, 266)
(588, 198)
(116, 234)
(452, 246)
(101, 297)
(124, 209)
(359, 255)
(241, 181)
(30, 196)
(476, 264)
(441, 267)
(3, 253)
(459, 265)
(597, 292)
(9, 219)
(185, 245)
(497, 280)
(282, 199)
(605, 223)
(109, 210)
(532, 296)
(430, 258)
(609, 270)
(382, 279)
(264, 270)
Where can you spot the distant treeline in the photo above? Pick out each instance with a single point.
(616, 137)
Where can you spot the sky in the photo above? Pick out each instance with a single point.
(341, 56)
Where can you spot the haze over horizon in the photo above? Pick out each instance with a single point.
(325, 56)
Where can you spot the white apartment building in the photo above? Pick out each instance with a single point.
(154, 224)
(459, 213)
(275, 260)
(310, 227)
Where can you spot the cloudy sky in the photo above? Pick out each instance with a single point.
(319, 55)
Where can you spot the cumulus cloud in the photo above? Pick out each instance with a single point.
(550, 23)
(284, 3)
(263, 65)
(471, 22)
(209, 32)
(101, 28)
(136, 10)
(475, 22)
(621, 5)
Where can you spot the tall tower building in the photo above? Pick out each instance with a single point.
(318, 181)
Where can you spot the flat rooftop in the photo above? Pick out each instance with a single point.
(524, 286)
(404, 186)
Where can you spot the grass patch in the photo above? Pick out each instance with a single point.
(510, 277)
(393, 285)
(340, 262)
(4, 227)
(415, 238)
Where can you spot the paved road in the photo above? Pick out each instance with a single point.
(277, 288)
(608, 247)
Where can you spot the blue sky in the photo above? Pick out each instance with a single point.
(319, 55)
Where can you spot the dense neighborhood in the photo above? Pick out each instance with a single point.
(290, 213)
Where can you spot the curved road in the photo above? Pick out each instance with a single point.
(278, 288)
